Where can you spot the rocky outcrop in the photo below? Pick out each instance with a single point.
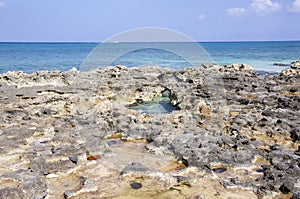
(290, 72)
(294, 70)
(295, 64)
(240, 67)
(280, 64)
(63, 134)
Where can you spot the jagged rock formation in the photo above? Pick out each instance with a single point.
(73, 134)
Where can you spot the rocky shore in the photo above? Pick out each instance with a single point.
(232, 133)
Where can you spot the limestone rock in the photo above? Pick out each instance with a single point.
(295, 64)
(228, 122)
(290, 72)
(240, 67)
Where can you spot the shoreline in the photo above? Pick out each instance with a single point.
(260, 72)
(234, 133)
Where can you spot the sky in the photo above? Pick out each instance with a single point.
(97, 20)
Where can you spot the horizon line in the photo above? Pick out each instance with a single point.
(220, 41)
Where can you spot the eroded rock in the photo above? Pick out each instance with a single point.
(231, 123)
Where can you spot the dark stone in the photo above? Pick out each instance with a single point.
(244, 101)
(254, 85)
(260, 170)
(275, 147)
(136, 185)
(73, 158)
(219, 170)
(295, 134)
(52, 150)
(68, 194)
(26, 118)
(267, 112)
(293, 89)
(263, 122)
(286, 187)
(245, 142)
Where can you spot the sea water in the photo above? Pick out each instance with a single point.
(31, 57)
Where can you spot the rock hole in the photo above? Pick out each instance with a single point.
(158, 105)
(185, 162)
(190, 81)
(136, 185)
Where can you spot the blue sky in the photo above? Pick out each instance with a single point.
(96, 20)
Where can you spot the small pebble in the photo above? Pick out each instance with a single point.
(275, 147)
(26, 118)
(93, 157)
(260, 170)
(136, 185)
(219, 170)
(73, 159)
(52, 175)
(112, 142)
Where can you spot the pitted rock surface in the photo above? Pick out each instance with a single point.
(233, 129)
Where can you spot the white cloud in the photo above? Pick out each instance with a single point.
(2, 4)
(264, 6)
(259, 7)
(295, 7)
(201, 17)
(236, 11)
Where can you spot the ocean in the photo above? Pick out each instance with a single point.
(31, 57)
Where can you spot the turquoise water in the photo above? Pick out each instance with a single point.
(158, 105)
(30, 57)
